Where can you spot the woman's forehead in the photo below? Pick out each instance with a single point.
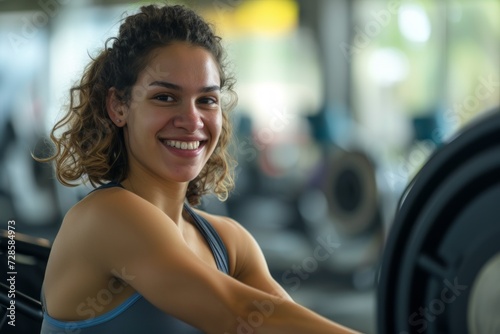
(182, 64)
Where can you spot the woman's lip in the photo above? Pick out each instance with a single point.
(185, 145)
(184, 152)
(186, 139)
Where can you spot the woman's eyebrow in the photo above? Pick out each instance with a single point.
(173, 86)
(166, 85)
(209, 89)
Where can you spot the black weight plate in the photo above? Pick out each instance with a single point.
(421, 261)
(472, 142)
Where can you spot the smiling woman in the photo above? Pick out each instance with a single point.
(91, 145)
(148, 125)
(173, 109)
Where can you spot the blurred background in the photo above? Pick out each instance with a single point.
(340, 104)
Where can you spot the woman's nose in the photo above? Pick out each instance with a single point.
(189, 118)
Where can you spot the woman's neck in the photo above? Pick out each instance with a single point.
(167, 196)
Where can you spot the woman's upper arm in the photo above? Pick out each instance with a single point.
(250, 266)
(145, 248)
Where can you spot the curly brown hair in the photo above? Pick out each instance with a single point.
(91, 147)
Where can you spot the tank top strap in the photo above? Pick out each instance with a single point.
(213, 238)
(110, 184)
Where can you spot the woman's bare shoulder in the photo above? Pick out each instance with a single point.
(107, 205)
(107, 220)
(102, 198)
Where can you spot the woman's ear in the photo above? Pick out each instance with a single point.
(116, 108)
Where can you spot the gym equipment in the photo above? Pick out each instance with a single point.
(351, 190)
(441, 265)
(31, 259)
(342, 201)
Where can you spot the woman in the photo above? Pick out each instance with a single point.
(149, 123)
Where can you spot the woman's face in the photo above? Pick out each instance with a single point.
(173, 121)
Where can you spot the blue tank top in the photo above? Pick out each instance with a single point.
(136, 314)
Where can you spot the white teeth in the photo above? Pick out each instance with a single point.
(183, 145)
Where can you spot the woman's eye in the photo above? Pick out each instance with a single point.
(164, 98)
(208, 100)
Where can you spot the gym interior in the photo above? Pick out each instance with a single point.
(368, 149)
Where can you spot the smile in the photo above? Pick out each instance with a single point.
(183, 145)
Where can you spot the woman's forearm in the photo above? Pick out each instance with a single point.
(292, 318)
(276, 315)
